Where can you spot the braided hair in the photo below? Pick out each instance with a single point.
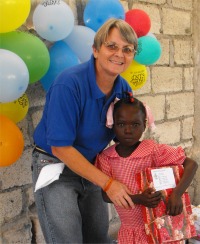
(129, 99)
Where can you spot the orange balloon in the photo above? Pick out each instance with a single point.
(11, 142)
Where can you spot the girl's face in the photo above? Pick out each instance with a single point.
(111, 61)
(129, 124)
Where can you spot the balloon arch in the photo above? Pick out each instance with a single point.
(25, 59)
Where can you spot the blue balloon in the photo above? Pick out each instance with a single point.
(96, 13)
(149, 50)
(61, 57)
(14, 76)
(80, 40)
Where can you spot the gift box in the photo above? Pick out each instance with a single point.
(160, 227)
(196, 218)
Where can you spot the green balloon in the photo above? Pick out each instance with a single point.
(31, 50)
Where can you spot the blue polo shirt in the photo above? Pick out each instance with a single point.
(75, 112)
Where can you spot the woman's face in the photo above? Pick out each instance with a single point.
(110, 60)
(129, 124)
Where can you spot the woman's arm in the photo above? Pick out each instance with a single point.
(148, 198)
(117, 192)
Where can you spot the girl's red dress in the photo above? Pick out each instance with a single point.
(147, 154)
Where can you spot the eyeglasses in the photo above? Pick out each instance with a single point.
(113, 47)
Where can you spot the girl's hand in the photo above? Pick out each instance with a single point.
(149, 198)
(174, 205)
(118, 193)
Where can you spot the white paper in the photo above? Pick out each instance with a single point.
(49, 174)
(163, 178)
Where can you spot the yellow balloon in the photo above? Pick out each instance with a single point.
(135, 75)
(15, 110)
(13, 14)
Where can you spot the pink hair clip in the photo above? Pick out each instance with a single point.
(150, 118)
(109, 116)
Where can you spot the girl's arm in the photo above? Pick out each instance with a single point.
(190, 168)
(148, 198)
(175, 205)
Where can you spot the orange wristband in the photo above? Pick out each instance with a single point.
(108, 184)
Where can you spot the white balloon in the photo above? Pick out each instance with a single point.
(14, 76)
(53, 20)
(80, 40)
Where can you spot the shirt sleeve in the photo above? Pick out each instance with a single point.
(165, 155)
(62, 116)
(103, 164)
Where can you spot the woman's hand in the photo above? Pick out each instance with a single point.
(118, 193)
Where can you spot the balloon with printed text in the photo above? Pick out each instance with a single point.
(149, 50)
(14, 76)
(13, 14)
(135, 75)
(80, 40)
(53, 20)
(139, 20)
(61, 57)
(31, 50)
(16, 110)
(96, 13)
(11, 142)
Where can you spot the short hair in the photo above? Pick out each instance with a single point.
(126, 31)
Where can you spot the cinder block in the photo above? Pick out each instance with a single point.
(165, 55)
(188, 78)
(183, 52)
(179, 105)
(36, 95)
(187, 128)
(18, 231)
(156, 104)
(19, 173)
(183, 4)
(167, 79)
(36, 116)
(176, 22)
(171, 128)
(10, 205)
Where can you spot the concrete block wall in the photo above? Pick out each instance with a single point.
(171, 91)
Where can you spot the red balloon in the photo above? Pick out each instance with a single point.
(139, 21)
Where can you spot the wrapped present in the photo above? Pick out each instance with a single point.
(160, 227)
(196, 218)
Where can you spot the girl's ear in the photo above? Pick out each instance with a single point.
(145, 124)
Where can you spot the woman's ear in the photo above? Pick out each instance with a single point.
(95, 52)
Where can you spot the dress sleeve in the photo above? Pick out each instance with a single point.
(164, 155)
(103, 164)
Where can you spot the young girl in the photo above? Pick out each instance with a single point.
(129, 156)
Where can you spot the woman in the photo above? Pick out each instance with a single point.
(73, 131)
